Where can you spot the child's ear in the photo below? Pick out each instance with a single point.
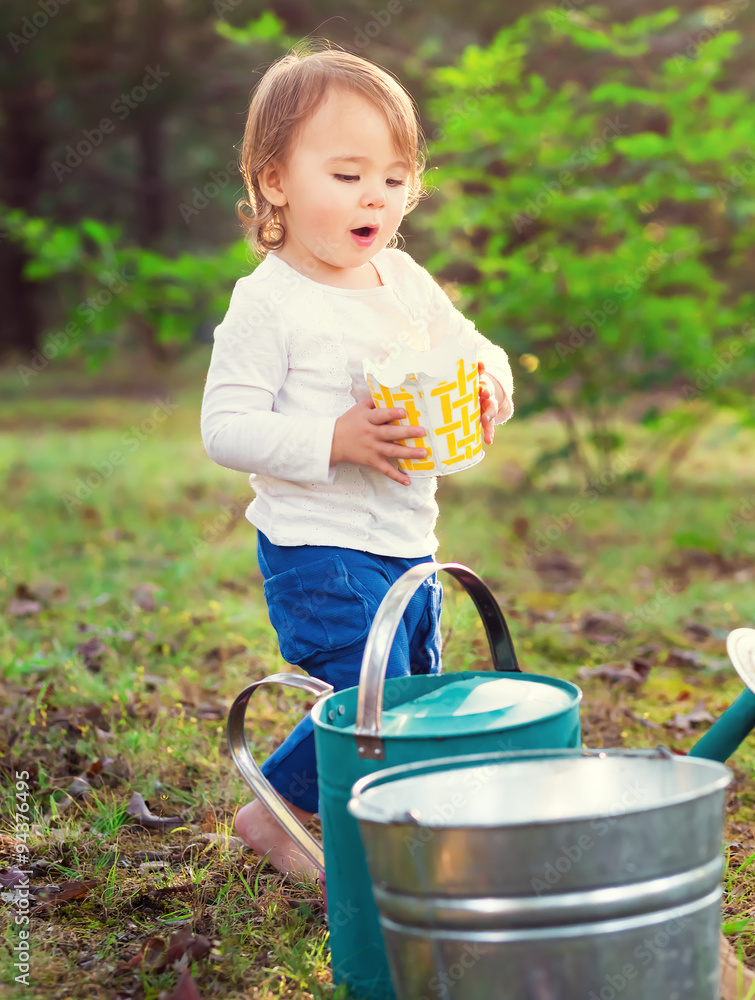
(271, 184)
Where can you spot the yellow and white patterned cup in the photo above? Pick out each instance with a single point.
(449, 410)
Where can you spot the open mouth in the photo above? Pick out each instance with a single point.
(364, 231)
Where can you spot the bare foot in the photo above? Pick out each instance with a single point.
(264, 834)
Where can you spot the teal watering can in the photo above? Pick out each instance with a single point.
(725, 735)
(386, 723)
(504, 857)
(396, 722)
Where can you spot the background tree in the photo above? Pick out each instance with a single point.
(603, 230)
(160, 186)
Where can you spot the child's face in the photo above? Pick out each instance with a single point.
(324, 198)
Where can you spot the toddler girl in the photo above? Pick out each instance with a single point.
(331, 165)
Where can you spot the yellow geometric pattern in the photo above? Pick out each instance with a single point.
(450, 409)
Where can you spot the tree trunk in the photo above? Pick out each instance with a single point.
(152, 189)
(23, 146)
(152, 194)
(19, 332)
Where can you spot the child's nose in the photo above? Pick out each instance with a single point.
(374, 197)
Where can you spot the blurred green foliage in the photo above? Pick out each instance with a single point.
(595, 182)
(602, 234)
(111, 292)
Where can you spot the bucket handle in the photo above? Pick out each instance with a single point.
(380, 640)
(252, 774)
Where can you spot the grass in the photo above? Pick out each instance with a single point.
(150, 618)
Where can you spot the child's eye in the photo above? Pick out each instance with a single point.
(352, 177)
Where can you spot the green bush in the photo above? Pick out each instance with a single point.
(601, 232)
(108, 290)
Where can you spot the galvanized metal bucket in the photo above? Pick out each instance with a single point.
(548, 875)
(384, 723)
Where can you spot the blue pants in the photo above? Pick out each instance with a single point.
(322, 600)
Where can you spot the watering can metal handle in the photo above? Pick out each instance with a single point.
(383, 631)
(252, 774)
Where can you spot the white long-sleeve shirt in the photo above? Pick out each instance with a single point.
(286, 363)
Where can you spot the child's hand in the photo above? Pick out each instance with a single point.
(488, 405)
(492, 399)
(364, 435)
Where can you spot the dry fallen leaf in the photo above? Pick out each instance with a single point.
(149, 866)
(97, 766)
(20, 607)
(79, 788)
(151, 855)
(632, 674)
(184, 942)
(685, 722)
(157, 956)
(151, 955)
(186, 989)
(697, 631)
(47, 589)
(219, 655)
(93, 652)
(191, 691)
(105, 632)
(143, 595)
(521, 527)
(137, 808)
(206, 710)
(683, 658)
(641, 719)
(223, 841)
(66, 891)
(558, 571)
(649, 650)
(235, 586)
(11, 845)
(77, 717)
(13, 877)
(602, 626)
(172, 890)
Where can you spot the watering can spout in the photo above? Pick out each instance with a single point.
(725, 735)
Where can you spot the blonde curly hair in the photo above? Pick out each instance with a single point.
(289, 93)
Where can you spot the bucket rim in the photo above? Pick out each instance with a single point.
(320, 708)
(362, 810)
